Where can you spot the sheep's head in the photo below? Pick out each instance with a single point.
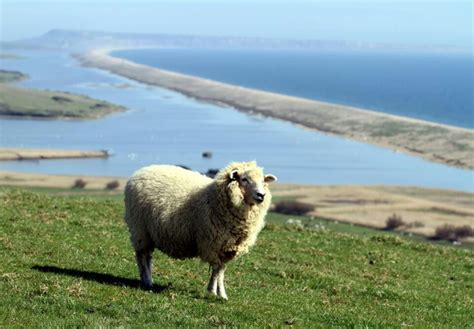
(247, 182)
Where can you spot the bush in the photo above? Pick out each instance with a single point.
(293, 208)
(445, 232)
(394, 222)
(79, 183)
(112, 185)
(463, 231)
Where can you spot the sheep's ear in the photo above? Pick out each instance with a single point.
(270, 178)
(234, 175)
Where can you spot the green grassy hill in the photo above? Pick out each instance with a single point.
(19, 101)
(51, 104)
(67, 261)
(11, 76)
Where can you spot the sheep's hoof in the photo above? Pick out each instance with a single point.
(224, 297)
(146, 287)
(213, 294)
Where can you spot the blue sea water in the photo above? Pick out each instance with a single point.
(162, 126)
(434, 87)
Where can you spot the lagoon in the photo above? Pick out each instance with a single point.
(165, 127)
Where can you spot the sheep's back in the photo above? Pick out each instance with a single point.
(163, 201)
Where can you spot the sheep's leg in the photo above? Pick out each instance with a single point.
(212, 286)
(144, 267)
(216, 282)
(220, 284)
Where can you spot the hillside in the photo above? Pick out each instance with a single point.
(66, 261)
(80, 40)
(11, 76)
(17, 101)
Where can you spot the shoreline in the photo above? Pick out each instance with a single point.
(362, 205)
(436, 142)
(19, 154)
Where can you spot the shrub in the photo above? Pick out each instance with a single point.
(79, 183)
(463, 231)
(445, 232)
(112, 185)
(293, 207)
(393, 222)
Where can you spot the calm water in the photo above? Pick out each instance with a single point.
(165, 127)
(434, 87)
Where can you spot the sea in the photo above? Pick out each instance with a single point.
(162, 126)
(429, 86)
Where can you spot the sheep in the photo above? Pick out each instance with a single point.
(185, 214)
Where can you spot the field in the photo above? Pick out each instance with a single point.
(421, 209)
(16, 101)
(66, 261)
(11, 76)
(51, 104)
(9, 56)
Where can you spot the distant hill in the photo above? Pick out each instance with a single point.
(71, 40)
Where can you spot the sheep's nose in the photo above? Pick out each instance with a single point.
(259, 197)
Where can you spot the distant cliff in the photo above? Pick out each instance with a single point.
(71, 40)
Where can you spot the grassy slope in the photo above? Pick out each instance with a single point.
(51, 104)
(10, 56)
(40, 103)
(67, 261)
(11, 76)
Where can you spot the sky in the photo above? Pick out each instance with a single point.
(402, 22)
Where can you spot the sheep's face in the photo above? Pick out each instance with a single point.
(253, 184)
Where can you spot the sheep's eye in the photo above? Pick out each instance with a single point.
(245, 180)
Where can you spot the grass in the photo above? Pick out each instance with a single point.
(67, 261)
(51, 104)
(11, 76)
(10, 56)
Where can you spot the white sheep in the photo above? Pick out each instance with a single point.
(185, 214)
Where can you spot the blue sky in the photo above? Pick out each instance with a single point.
(406, 22)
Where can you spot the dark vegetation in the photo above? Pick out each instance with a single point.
(79, 184)
(7, 76)
(290, 207)
(453, 233)
(394, 222)
(112, 185)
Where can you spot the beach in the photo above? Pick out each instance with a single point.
(435, 142)
(11, 154)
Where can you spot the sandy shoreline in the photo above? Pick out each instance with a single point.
(435, 142)
(11, 154)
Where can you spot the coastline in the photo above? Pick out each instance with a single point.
(15, 154)
(432, 141)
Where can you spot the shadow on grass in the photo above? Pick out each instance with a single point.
(98, 277)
